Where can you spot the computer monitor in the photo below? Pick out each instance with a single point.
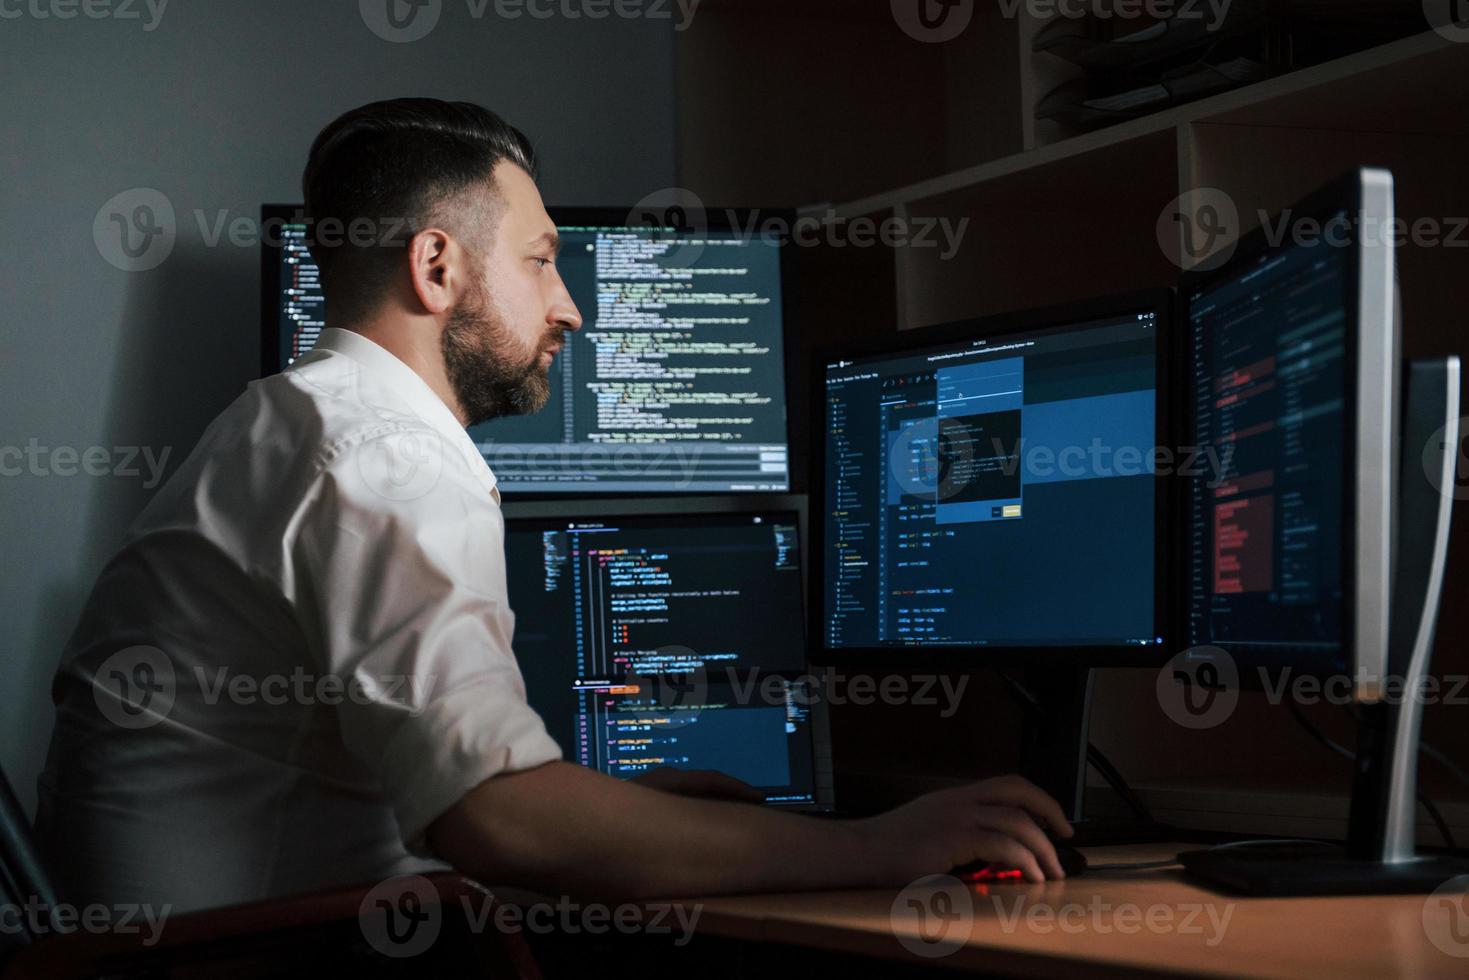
(1320, 549)
(1292, 381)
(675, 383)
(987, 489)
(673, 639)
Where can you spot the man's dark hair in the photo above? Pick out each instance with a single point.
(383, 172)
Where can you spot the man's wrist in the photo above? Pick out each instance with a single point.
(863, 856)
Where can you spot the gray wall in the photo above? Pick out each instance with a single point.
(215, 107)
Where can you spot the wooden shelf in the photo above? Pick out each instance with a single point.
(1417, 85)
(1079, 226)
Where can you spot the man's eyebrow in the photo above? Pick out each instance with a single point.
(549, 238)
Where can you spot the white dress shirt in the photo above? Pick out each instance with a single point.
(299, 658)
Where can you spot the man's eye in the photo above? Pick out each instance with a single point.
(541, 263)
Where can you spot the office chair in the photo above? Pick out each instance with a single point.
(312, 935)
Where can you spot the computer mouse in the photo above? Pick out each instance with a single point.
(1073, 862)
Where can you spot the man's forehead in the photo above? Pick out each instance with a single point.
(514, 183)
(524, 211)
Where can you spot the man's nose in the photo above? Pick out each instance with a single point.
(565, 314)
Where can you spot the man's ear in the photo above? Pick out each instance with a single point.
(433, 264)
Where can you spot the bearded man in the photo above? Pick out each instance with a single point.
(297, 672)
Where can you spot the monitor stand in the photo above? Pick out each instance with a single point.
(1054, 733)
(1380, 857)
(1054, 754)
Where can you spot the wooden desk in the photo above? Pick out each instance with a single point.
(1122, 923)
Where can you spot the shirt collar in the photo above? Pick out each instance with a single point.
(385, 367)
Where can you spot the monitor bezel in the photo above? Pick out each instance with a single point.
(777, 220)
(1369, 455)
(1000, 326)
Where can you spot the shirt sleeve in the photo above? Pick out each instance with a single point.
(400, 552)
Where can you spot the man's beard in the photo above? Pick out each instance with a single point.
(488, 368)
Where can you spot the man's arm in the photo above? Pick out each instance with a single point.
(562, 828)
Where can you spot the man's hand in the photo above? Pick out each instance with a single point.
(1000, 820)
(709, 784)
